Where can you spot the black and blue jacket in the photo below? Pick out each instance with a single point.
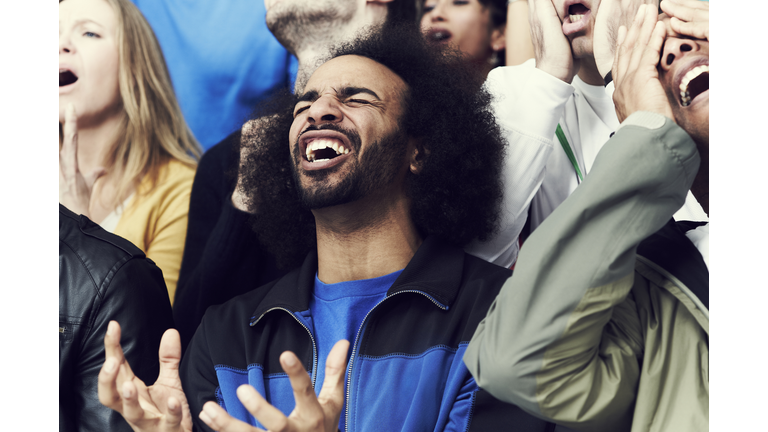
(406, 370)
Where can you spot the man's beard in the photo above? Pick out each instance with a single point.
(298, 22)
(377, 168)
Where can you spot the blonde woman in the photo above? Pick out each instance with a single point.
(126, 157)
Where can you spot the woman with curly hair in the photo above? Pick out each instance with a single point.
(126, 156)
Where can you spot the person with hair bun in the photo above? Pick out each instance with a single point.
(126, 156)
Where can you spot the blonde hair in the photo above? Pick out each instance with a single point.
(153, 130)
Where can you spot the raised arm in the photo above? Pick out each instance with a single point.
(563, 340)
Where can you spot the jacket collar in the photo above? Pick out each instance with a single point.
(435, 270)
(670, 249)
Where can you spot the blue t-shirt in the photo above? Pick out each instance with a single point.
(338, 311)
(222, 58)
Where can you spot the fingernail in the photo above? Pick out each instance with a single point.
(127, 393)
(209, 411)
(290, 360)
(111, 328)
(110, 364)
(204, 417)
(172, 404)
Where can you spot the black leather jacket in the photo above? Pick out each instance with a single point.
(103, 277)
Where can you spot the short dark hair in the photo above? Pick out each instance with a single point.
(458, 192)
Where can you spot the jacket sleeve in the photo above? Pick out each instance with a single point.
(528, 104)
(562, 339)
(198, 377)
(137, 299)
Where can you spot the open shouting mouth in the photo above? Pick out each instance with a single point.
(693, 83)
(576, 17)
(324, 148)
(66, 77)
(438, 35)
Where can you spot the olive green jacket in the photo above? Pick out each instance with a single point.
(588, 334)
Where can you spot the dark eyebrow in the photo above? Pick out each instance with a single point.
(309, 96)
(351, 91)
(344, 92)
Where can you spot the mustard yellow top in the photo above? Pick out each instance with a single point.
(156, 222)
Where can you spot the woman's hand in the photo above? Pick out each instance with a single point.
(75, 188)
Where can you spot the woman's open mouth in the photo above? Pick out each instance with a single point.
(66, 77)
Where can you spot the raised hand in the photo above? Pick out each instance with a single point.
(634, 71)
(688, 17)
(550, 46)
(74, 187)
(610, 16)
(312, 413)
(161, 407)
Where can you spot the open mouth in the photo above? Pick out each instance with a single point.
(66, 77)
(694, 83)
(321, 149)
(576, 12)
(438, 35)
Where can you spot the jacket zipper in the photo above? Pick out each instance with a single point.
(357, 338)
(314, 345)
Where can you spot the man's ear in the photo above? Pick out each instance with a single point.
(418, 154)
(498, 41)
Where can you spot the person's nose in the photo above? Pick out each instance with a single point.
(324, 110)
(437, 14)
(65, 43)
(675, 49)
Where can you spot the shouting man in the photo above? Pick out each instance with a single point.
(560, 97)
(222, 256)
(605, 324)
(373, 193)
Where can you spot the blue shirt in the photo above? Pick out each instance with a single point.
(222, 58)
(337, 312)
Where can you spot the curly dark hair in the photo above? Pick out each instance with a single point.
(458, 192)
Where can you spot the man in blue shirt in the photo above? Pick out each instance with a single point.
(372, 196)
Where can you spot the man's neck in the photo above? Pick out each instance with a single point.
(588, 72)
(365, 239)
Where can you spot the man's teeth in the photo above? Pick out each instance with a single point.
(685, 97)
(575, 18)
(321, 144)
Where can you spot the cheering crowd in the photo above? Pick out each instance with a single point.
(447, 215)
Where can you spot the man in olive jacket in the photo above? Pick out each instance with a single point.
(605, 324)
